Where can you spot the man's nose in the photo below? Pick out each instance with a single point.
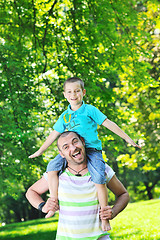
(72, 148)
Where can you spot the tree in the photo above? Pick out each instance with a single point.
(143, 100)
(43, 43)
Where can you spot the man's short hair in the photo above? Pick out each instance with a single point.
(64, 134)
(72, 80)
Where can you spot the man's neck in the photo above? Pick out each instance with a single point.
(78, 169)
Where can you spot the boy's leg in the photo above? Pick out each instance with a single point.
(54, 168)
(53, 182)
(96, 167)
(103, 200)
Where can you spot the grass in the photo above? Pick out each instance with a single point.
(41, 229)
(138, 221)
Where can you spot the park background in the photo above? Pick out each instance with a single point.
(114, 46)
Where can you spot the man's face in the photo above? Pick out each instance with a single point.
(72, 148)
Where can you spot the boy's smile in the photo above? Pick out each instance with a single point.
(74, 94)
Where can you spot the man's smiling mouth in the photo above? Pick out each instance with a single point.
(76, 154)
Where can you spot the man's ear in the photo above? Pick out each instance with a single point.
(82, 139)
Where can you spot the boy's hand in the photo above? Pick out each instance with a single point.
(51, 205)
(106, 213)
(130, 141)
(36, 154)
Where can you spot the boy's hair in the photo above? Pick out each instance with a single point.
(74, 79)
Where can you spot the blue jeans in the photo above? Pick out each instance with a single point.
(95, 164)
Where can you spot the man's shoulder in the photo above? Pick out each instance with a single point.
(109, 172)
(108, 168)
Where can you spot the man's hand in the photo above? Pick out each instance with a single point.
(51, 205)
(106, 213)
(36, 154)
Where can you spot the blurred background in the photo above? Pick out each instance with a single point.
(114, 46)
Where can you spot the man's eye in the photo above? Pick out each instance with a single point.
(66, 147)
(78, 91)
(75, 141)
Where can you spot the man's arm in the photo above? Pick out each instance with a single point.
(117, 130)
(50, 139)
(122, 199)
(34, 193)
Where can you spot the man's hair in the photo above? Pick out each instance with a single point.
(72, 80)
(64, 134)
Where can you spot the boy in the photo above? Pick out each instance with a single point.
(83, 119)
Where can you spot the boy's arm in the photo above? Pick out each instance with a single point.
(34, 193)
(50, 139)
(122, 199)
(117, 130)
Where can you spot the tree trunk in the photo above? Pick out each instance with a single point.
(149, 193)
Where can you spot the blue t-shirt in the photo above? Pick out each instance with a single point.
(83, 121)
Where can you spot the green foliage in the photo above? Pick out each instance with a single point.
(114, 47)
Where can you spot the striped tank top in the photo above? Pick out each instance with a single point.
(79, 207)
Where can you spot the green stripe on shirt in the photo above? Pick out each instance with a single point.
(79, 204)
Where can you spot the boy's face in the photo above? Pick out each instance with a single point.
(74, 94)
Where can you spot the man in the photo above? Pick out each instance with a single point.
(79, 209)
